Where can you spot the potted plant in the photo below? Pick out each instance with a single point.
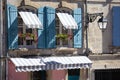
(62, 36)
(27, 36)
(30, 36)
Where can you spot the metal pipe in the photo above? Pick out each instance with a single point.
(5, 41)
(86, 27)
(3, 47)
(1, 34)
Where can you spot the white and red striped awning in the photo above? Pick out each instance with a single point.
(51, 63)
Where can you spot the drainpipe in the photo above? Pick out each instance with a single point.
(5, 42)
(86, 29)
(3, 48)
(1, 33)
(1, 41)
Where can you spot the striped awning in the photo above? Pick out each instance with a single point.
(31, 20)
(67, 21)
(27, 64)
(51, 63)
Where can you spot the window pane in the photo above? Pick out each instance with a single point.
(57, 41)
(20, 38)
(28, 42)
(28, 30)
(20, 20)
(20, 30)
(20, 41)
(65, 42)
(65, 31)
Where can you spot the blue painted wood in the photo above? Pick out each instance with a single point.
(78, 32)
(46, 36)
(12, 26)
(73, 77)
(41, 32)
(50, 27)
(116, 26)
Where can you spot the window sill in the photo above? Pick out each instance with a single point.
(55, 51)
(65, 49)
(23, 49)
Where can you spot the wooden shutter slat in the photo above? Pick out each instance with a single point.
(116, 26)
(78, 32)
(12, 26)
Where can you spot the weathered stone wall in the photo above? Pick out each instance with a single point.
(41, 3)
(54, 4)
(98, 41)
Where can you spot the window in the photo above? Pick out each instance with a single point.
(26, 36)
(64, 37)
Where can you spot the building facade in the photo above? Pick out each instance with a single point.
(44, 40)
(52, 39)
(104, 44)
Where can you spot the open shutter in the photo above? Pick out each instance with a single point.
(50, 27)
(116, 26)
(41, 32)
(12, 26)
(78, 32)
(46, 36)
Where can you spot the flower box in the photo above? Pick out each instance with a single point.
(27, 36)
(64, 36)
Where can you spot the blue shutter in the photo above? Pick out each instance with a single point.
(78, 32)
(116, 26)
(12, 26)
(41, 32)
(46, 36)
(50, 27)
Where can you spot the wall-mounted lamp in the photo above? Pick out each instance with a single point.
(102, 22)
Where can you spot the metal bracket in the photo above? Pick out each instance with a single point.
(92, 17)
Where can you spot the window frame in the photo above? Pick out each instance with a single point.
(34, 31)
(62, 30)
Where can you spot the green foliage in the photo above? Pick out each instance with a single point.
(62, 36)
(24, 35)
